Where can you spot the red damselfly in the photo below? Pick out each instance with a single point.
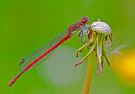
(37, 56)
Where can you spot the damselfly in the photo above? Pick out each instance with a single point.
(37, 56)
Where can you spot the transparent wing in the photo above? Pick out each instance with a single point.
(31, 57)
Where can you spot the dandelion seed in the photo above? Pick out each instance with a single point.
(114, 50)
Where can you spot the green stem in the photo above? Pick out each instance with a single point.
(87, 82)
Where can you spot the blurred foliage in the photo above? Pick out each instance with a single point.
(25, 25)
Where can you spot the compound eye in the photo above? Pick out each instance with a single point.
(84, 21)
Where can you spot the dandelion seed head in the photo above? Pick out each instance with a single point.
(101, 27)
(100, 40)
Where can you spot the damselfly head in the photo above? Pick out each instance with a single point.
(85, 20)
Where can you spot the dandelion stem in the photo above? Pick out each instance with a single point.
(87, 82)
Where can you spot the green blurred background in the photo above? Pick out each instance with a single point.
(25, 25)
